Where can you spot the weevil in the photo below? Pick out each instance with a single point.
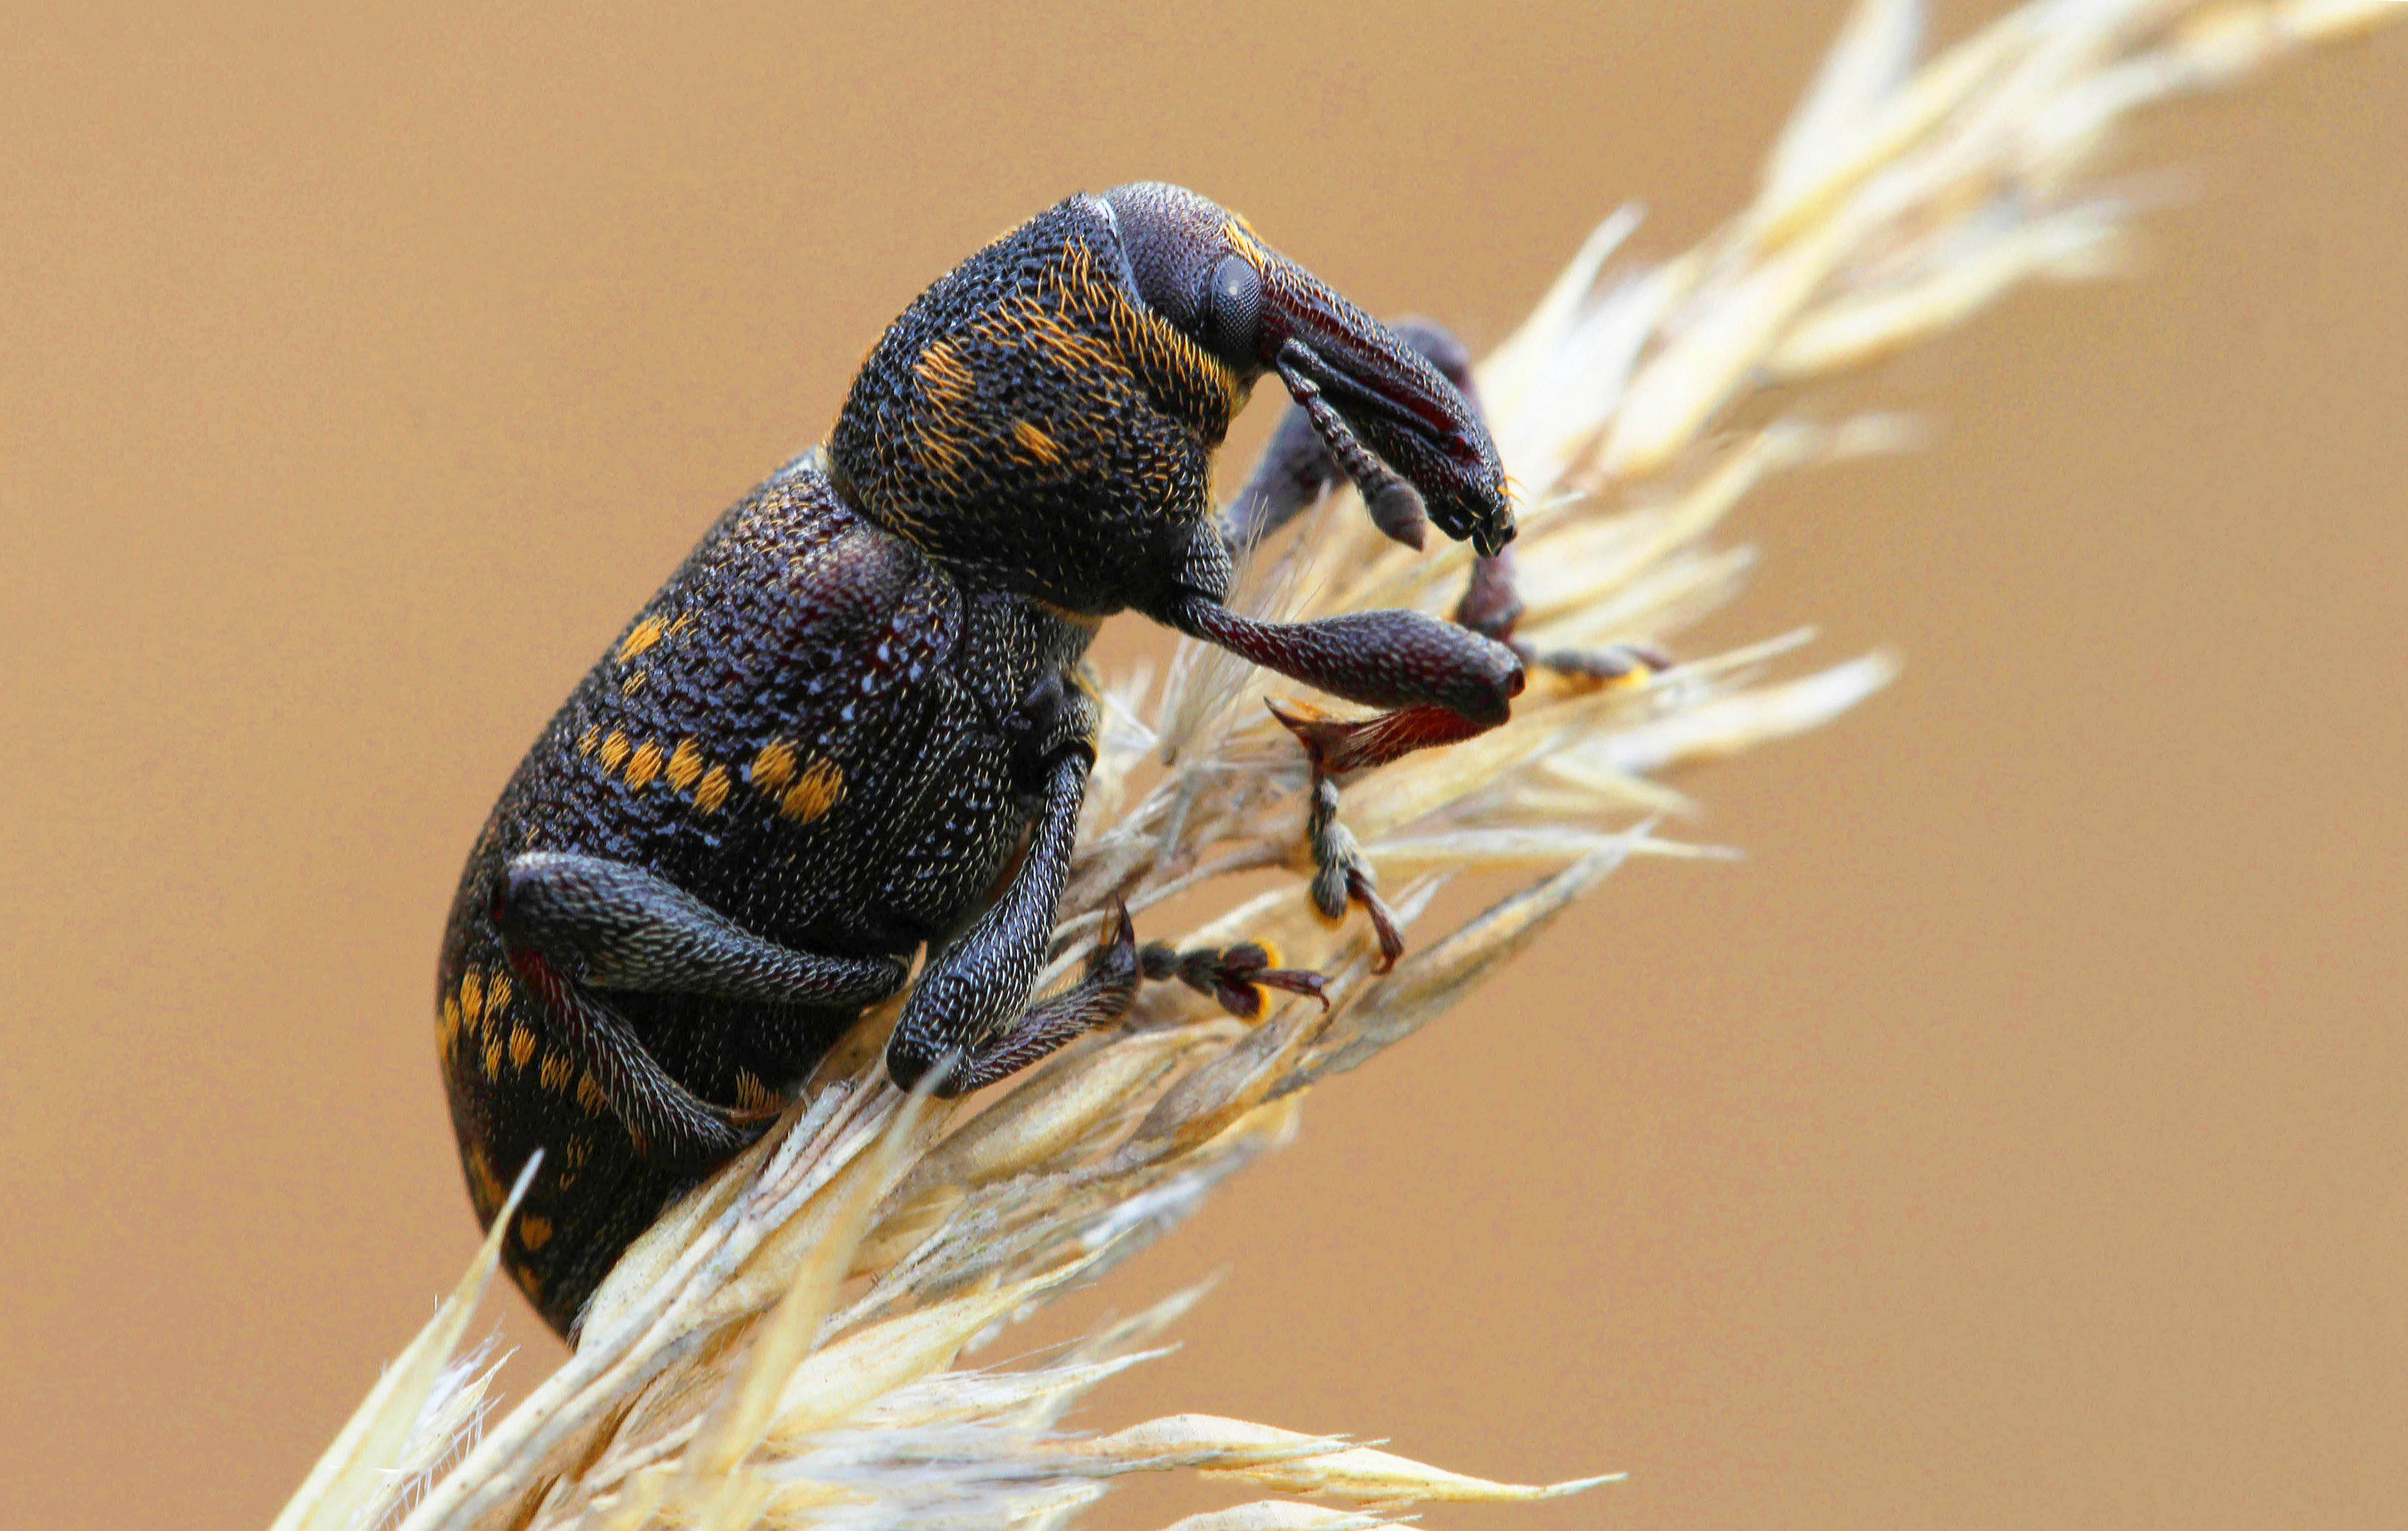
(854, 727)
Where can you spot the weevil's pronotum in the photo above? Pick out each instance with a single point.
(821, 744)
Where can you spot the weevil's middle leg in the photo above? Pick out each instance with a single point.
(1101, 996)
(1441, 683)
(1235, 976)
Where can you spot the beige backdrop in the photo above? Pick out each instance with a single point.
(2014, 1139)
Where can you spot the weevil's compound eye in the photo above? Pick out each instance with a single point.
(1233, 310)
(1180, 265)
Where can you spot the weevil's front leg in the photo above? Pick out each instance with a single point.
(1442, 683)
(574, 926)
(1491, 606)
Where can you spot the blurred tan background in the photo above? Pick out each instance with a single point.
(2014, 1139)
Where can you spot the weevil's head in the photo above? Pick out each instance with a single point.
(1254, 310)
(1043, 418)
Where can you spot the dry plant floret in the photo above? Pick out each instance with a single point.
(787, 1346)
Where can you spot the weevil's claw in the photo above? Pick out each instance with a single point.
(1116, 957)
(1295, 980)
(1384, 920)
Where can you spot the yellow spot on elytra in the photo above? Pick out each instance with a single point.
(1038, 444)
(817, 790)
(774, 766)
(484, 1186)
(472, 998)
(554, 1073)
(645, 766)
(493, 1058)
(646, 633)
(530, 1283)
(713, 790)
(587, 740)
(497, 996)
(535, 1232)
(447, 1029)
(522, 1046)
(685, 764)
(615, 749)
(634, 683)
(751, 1094)
(578, 1151)
(589, 1093)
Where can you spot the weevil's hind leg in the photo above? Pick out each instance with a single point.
(573, 925)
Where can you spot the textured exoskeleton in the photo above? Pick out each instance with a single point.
(854, 724)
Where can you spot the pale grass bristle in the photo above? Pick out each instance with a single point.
(789, 1345)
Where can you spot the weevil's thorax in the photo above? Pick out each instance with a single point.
(1034, 427)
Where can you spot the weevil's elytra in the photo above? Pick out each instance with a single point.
(817, 750)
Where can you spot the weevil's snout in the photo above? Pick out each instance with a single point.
(1382, 396)
(1391, 418)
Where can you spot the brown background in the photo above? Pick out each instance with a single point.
(2014, 1139)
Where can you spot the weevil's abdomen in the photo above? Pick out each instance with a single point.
(807, 730)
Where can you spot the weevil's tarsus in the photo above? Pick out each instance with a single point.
(1233, 977)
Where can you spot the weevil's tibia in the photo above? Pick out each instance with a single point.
(1101, 996)
(970, 1007)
